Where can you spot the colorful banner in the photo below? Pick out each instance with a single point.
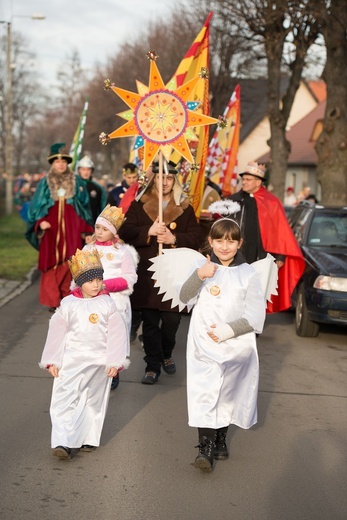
(196, 60)
(223, 148)
(76, 145)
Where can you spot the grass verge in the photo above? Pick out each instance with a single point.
(17, 256)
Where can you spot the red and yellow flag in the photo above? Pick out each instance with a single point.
(197, 58)
(224, 145)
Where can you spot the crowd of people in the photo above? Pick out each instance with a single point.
(94, 253)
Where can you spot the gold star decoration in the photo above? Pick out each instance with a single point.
(159, 117)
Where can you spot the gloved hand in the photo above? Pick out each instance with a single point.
(115, 284)
(221, 332)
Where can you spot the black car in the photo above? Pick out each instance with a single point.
(321, 294)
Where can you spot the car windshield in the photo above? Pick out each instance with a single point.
(328, 230)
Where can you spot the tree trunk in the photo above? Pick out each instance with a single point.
(331, 145)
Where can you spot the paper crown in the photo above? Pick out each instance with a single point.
(113, 215)
(130, 168)
(83, 261)
(253, 168)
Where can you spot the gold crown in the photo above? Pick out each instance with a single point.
(256, 169)
(128, 171)
(83, 261)
(114, 215)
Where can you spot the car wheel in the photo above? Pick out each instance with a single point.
(303, 325)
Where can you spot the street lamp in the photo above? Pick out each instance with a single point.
(9, 112)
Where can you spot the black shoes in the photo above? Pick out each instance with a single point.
(169, 366)
(62, 452)
(220, 447)
(204, 460)
(87, 447)
(115, 382)
(150, 378)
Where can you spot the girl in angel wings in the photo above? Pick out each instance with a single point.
(222, 360)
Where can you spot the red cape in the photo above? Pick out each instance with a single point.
(278, 238)
(128, 197)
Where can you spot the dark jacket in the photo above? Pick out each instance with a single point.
(140, 216)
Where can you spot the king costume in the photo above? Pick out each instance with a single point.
(86, 336)
(62, 200)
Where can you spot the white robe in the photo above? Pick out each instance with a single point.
(119, 260)
(85, 337)
(222, 378)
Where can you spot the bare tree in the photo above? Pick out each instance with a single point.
(332, 144)
(280, 33)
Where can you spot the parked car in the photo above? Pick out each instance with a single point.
(321, 294)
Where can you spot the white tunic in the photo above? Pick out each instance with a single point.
(119, 260)
(85, 336)
(222, 378)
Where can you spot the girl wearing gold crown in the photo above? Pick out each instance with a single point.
(87, 343)
(119, 262)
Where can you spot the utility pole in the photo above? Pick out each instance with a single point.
(9, 114)
(8, 126)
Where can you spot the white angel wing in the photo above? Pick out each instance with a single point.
(171, 269)
(268, 273)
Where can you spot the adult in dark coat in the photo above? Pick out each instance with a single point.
(265, 229)
(143, 230)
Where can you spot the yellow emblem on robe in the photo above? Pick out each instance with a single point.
(173, 225)
(215, 290)
(110, 256)
(93, 318)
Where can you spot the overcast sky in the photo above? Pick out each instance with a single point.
(95, 28)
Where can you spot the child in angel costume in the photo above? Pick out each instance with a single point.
(229, 298)
(119, 261)
(87, 343)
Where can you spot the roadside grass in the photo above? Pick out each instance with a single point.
(17, 256)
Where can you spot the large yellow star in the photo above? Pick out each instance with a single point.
(159, 116)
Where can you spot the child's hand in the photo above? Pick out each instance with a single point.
(207, 270)
(88, 239)
(53, 370)
(112, 372)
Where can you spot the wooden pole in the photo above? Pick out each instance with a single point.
(160, 197)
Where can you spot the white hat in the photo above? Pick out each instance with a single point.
(85, 162)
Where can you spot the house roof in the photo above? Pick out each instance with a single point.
(301, 139)
(319, 89)
(254, 102)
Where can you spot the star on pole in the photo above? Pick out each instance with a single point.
(161, 119)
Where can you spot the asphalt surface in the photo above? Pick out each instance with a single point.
(291, 466)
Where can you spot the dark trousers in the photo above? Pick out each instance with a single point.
(159, 336)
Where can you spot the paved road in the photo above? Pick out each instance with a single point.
(291, 466)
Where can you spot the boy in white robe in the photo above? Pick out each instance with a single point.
(86, 346)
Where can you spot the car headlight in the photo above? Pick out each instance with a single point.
(330, 283)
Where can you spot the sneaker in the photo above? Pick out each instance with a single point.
(62, 452)
(150, 378)
(87, 447)
(115, 382)
(169, 366)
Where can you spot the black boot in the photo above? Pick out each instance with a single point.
(220, 447)
(204, 460)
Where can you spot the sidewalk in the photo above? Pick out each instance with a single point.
(9, 289)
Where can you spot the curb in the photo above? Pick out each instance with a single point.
(14, 291)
